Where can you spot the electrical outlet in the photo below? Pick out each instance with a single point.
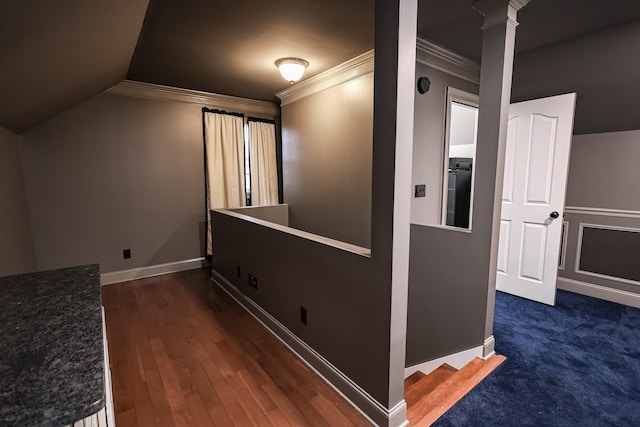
(253, 281)
(421, 190)
(303, 315)
(126, 253)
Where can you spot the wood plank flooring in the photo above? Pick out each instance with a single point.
(429, 397)
(183, 353)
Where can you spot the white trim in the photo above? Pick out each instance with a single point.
(614, 295)
(168, 93)
(487, 6)
(577, 269)
(357, 67)
(110, 417)
(427, 53)
(444, 227)
(582, 210)
(367, 405)
(397, 415)
(344, 246)
(443, 59)
(470, 100)
(489, 348)
(458, 360)
(563, 247)
(398, 168)
(605, 276)
(152, 270)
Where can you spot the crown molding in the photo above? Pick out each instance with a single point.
(349, 70)
(428, 53)
(174, 94)
(485, 7)
(448, 61)
(497, 12)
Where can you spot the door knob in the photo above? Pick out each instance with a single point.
(554, 214)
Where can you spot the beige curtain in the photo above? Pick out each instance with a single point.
(262, 159)
(224, 145)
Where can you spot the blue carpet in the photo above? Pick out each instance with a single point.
(575, 364)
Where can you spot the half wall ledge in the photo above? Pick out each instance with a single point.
(257, 214)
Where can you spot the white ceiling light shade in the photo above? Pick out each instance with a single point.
(291, 69)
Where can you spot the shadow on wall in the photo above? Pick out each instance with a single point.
(202, 227)
(166, 252)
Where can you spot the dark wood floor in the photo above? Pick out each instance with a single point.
(184, 353)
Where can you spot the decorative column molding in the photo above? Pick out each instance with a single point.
(496, 69)
(485, 7)
(494, 11)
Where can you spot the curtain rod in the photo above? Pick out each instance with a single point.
(229, 113)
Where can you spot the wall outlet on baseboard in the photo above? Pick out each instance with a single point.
(253, 281)
(126, 253)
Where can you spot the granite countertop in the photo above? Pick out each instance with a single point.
(51, 348)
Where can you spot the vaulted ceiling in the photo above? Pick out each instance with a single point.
(54, 55)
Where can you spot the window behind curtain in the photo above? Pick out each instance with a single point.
(224, 162)
(240, 162)
(262, 160)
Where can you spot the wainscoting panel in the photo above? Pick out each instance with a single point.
(600, 248)
(609, 251)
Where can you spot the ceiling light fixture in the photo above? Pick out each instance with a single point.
(291, 69)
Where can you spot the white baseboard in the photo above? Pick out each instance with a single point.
(614, 295)
(152, 270)
(457, 360)
(489, 348)
(369, 407)
(108, 408)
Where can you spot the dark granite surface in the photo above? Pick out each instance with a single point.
(51, 350)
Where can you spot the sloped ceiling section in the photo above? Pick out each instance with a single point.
(54, 54)
(582, 46)
(230, 47)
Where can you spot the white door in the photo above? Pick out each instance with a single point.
(535, 178)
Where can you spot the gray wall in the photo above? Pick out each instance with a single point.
(428, 141)
(278, 214)
(447, 297)
(603, 175)
(610, 252)
(116, 172)
(604, 171)
(356, 303)
(601, 67)
(447, 302)
(327, 148)
(453, 270)
(347, 323)
(16, 244)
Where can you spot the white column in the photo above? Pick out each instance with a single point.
(496, 68)
(407, 35)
